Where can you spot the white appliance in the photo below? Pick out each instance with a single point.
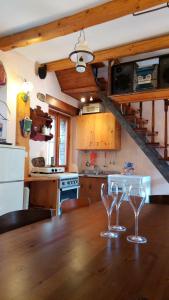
(134, 180)
(11, 178)
(92, 108)
(67, 185)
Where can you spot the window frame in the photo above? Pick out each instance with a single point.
(58, 116)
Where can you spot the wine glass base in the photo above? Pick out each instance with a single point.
(109, 234)
(118, 228)
(136, 239)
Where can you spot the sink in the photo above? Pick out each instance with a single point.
(103, 174)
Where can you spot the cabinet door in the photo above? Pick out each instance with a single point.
(90, 189)
(84, 192)
(107, 134)
(98, 132)
(85, 132)
(96, 188)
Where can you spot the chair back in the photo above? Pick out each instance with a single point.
(16, 219)
(159, 199)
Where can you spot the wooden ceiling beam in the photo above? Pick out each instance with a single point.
(143, 46)
(61, 106)
(84, 19)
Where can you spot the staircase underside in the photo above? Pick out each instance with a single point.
(151, 153)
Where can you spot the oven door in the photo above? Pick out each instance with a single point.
(65, 194)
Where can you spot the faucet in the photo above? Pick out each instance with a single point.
(96, 169)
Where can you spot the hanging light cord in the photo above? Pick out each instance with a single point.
(151, 10)
(80, 38)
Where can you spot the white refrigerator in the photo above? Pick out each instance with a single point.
(12, 160)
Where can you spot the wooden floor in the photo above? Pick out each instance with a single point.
(66, 259)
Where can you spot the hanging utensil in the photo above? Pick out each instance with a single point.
(105, 160)
(87, 160)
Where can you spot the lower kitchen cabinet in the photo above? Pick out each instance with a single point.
(90, 189)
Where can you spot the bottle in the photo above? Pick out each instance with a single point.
(52, 161)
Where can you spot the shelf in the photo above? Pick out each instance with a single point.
(41, 137)
(39, 120)
(158, 94)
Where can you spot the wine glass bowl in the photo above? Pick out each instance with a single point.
(109, 200)
(121, 196)
(137, 197)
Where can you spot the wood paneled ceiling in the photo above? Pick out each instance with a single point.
(76, 84)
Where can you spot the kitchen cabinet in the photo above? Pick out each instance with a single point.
(98, 132)
(90, 189)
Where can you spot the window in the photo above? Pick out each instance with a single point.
(58, 146)
(51, 144)
(63, 131)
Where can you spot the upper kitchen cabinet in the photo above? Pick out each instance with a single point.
(98, 132)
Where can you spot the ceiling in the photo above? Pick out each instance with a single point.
(18, 15)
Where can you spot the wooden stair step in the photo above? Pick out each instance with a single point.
(144, 130)
(163, 158)
(155, 144)
(130, 117)
(141, 121)
(150, 133)
(137, 119)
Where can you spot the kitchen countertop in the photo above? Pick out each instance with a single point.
(96, 175)
(93, 175)
(39, 178)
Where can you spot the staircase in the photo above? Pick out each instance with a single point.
(135, 119)
(132, 120)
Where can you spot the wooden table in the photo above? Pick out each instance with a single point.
(67, 259)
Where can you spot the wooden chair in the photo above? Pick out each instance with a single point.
(159, 199)
(16, 219)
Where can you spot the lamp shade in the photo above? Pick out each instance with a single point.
(80, 65)
(82, 51)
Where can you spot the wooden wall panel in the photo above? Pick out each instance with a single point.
(22, 111)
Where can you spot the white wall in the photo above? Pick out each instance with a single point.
(3, 110)
(19, 68)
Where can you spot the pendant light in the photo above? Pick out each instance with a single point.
(81, 54)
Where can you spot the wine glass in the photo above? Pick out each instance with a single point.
(136, 196)
(120, 198)
(109, 201)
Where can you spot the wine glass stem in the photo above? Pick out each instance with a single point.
(136, 225)
(109, 221)
(117, 215)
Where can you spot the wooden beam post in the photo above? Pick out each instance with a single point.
(134, 48)
(109, 85)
